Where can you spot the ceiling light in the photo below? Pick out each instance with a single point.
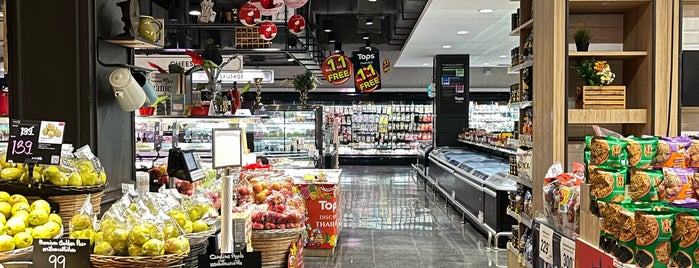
(365, 36)
(462, 32)
(503, 56)
(290, 59)
(446, 46)
(486, 63)
(194, 12)
(331, 38)
(367, 44)
(486, 10)
(425, 64)
(328, 25)
(338, 47)
(369, 21)
(372, 0)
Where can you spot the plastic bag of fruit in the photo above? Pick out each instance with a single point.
(201, 210)
(111, 238)
(82, 224)
(89, 166)
(175, 241)
(145, 238)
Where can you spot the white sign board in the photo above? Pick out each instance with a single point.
(184, 61)
(227, 148)
(242, 77)
(545, 244)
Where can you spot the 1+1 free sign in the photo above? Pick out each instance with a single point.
(37, 142)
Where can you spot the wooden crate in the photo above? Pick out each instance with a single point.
(604, 97)
(249, 38)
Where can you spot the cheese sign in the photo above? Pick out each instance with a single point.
(337, 69)
(367, 77)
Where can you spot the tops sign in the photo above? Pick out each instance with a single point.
(367, 70)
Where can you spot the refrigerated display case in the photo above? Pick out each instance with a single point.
(290, 135)
(493, 116)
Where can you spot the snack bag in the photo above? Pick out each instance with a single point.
(653, 237)
(671, 152)
(606, 151)
(81, 225)
(641, 151)
(643, 185)
(692, 153)
(677, 184)
(685, 232)
(607, 184)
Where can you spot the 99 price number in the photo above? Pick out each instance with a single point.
(367, 79)
(336, 69)
(58, 261)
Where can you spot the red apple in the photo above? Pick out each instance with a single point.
(280, 208)
(258, 226)
(269, 226)
(281, 226)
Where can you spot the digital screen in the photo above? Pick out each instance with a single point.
(190, 161)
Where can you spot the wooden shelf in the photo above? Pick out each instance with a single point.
(520, 105)
(526, 25)
(516, 68)
(604, 6)
(612, 55)
(130, 41)
(615, 116)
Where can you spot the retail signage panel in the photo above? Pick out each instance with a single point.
(567, 253)
(386, 65)
(546, 244)
(184, 61)
(61, 253)
(323, 205)
(337, 69)
(367, 72)
(242, 259)
(587, 255)
(38, 142)
(243, 77)
(227, 148)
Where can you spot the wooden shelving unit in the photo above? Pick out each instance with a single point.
(614, 116)
(515, 69)
(131, 42)
(526, 25)
(604, 6)
(609, 55)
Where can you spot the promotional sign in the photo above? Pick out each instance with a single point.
(386, 65)
(546, 244)
(587, 255)
(322, 203)
(337, 69)
(227, 260)
(35, 141)
(367, 76)
(241, 77)
(296, 24)
(267, 30)
(61, 253)
(184, 61)
(167, 84)
(249, 14)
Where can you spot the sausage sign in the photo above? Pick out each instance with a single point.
(367, 72)
(337, 69)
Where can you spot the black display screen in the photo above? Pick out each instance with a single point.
(190, 161)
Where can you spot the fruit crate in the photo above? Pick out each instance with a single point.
(249, 38)
(604, 97)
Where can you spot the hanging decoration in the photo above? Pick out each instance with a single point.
(268, 7)
(296, 24)
(295, 3)
(337, 69)
(268, 30)
(249, 15)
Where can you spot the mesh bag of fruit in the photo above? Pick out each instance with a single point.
(82, 224)
(145, 237)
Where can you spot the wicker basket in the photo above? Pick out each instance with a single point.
(274, 245)
(192, 260)
(22, 254)
(169, 260)
(47, 189)
(69, 205)
(198, 238)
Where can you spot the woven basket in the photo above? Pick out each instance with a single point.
(200, 237)
(192, 260)
(47, 189)
(69, 205)
(169, 260)
(22, 254)
(274, 245)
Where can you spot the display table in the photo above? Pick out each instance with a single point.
(324, 209)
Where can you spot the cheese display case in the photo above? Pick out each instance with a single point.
(492, 116)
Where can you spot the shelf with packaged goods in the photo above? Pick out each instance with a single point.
(489, 147)
(604, 6)
(611, 55)
(520, 180)
(520, 105)
(610, 116)
(514, 69)
(526, 25)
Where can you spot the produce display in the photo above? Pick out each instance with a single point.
(22, 222)
(272, 199)
(80, 168)
(654, 223)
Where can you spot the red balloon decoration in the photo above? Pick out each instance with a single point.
(268, 30)
(296, 24)
(268, 7)
(295, 3)
(249, 15)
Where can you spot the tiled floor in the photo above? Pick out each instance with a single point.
(390, 221)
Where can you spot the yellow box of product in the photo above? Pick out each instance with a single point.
(242, 228)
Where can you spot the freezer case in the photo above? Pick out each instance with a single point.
(293, 131)
(495, 194)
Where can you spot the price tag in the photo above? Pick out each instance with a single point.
(545, 244)
(242, 259)
(35, 141)
(567, 253)
(367, 70)
(337, 69)
(61, 253)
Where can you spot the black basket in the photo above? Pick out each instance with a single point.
(192, 260)
(47, 189)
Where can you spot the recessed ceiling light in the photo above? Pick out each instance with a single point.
(446, 46)
(425, 64)
(365, 36)
(369, 21)
(503, 56)
(194, 12)
(372, 0)
(290, 59)
(462, 32)
(486, 63)
(486, 10)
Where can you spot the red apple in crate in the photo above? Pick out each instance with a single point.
(258, 187)
(243, 191)
(267, 30)
(281, 226)
(249, 14)
(258, 226)
(296, 24)
(269, 226)
(280, 208)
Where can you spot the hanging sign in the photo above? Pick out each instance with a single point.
(386, 65)
(295, 3)
(296, 24)
(61, 253)
(249, 14)
(367, 76)
(268, 7)
(35, 141)
(337, 69)
(267, 30)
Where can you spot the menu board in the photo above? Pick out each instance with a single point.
(367, 70)
(452, 79)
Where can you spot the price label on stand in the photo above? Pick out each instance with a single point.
(35, 141)
(61, 253)
(242, 259)
(546, 244)
(567, 253)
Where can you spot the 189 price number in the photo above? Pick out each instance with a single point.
(367, 79)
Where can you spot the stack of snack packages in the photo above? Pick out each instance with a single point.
(562, 198)
(645, 191)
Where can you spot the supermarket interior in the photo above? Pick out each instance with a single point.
(349, 133)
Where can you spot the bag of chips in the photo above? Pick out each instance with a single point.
(685, 232)
(692, 153)
(607, 183)
(676, 184)
(643, 183)
(671, 152)
(653, 237)
(641, 151)
(606, 151)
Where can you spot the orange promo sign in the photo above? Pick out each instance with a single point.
(323, 206)
(337, 69)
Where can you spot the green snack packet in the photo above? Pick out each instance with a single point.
(641, 151)
(643, 183)
(653, 238)
(606, 151)
(607, 183)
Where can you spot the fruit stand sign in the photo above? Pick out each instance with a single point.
(227, 260)
(61, 253)
(38, 142)
(367, 72)
(337, 69)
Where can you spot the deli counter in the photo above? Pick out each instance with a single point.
(476, 184)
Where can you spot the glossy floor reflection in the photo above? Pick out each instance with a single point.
(389, 220)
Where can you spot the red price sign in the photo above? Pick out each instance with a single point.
(367, 79)
(337, 69)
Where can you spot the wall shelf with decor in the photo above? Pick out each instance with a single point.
(132, 42)
(610, 55)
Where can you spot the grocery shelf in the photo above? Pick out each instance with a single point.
(520, 180)
(131, 42)
(520, 105)
(516, 68)
(604, 6)
(512, 248)
(607, 116)
(526, 25)
(526, 220)
(489, 147)
(513, 214)
(612, 55)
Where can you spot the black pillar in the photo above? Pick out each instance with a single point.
(451, 77)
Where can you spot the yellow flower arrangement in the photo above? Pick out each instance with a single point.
(595, 73)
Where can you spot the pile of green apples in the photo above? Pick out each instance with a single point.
(21, 222)
(80, 172)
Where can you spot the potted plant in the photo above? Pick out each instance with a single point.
(597, 93)
(303, 83)
(582, 39)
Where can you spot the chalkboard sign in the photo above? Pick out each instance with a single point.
(242, 259)
(38, 142)
(61, 253)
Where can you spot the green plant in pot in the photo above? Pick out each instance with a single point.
(582, 39)
(303, 83)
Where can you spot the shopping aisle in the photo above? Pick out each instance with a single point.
(389, 221)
